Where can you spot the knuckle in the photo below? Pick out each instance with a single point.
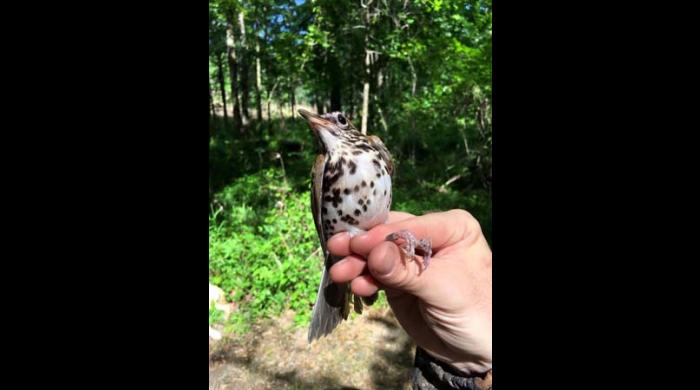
(471, 224)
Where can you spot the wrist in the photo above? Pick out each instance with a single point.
(431, 370)
(484, 382)
(470, 350)
(471, 369)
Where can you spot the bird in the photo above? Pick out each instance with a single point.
(351, 191)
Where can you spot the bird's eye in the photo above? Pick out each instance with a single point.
(342, 120)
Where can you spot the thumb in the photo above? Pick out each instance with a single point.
(392, 268)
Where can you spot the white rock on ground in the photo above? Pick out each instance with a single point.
(217, 297)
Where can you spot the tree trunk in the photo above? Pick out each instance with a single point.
(222, 85)
(245, 90)
(270, 95)
(233, 69)
(335, 81)
(335, 98)
(481, 117)
(464, 140)
(352, 101)
(382, 120)
(269, 112)
(293, 101)
(365, 88)
(365, 94)
(211, 101)
(414, 77)
(283, 123)
(317, 103)
(258, 77)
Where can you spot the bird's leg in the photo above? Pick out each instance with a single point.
(426, 246)
(410, 245)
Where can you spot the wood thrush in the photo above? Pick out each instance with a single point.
(351, 191)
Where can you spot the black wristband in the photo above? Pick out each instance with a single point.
(430, 374)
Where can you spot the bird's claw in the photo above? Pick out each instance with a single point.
(410, 245)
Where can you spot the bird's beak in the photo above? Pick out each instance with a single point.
(316, 122)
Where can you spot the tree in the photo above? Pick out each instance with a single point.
(233, 66)
(245, 90)
(418, 73)
(212, 111)
(222, 85)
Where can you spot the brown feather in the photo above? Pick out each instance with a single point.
(316, 194)
(377, 143)
(332, 300)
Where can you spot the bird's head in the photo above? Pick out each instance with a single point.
(331, 129)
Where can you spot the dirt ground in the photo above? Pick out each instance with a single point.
(370, 351)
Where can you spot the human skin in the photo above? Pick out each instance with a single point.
(446, 308)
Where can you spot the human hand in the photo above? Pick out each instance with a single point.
(446, 308)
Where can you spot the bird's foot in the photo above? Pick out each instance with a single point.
(410, 245)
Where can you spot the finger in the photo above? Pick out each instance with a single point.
(364, 285)
(396, 216)
(391, 269)
(347, 269)
(444, 229)
(339, 244)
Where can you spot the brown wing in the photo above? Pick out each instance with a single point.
(332, 305)
(377, 143)
(316, 194)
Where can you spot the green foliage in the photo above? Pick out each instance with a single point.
(215, 315)
(427, 199)
(263, 247)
